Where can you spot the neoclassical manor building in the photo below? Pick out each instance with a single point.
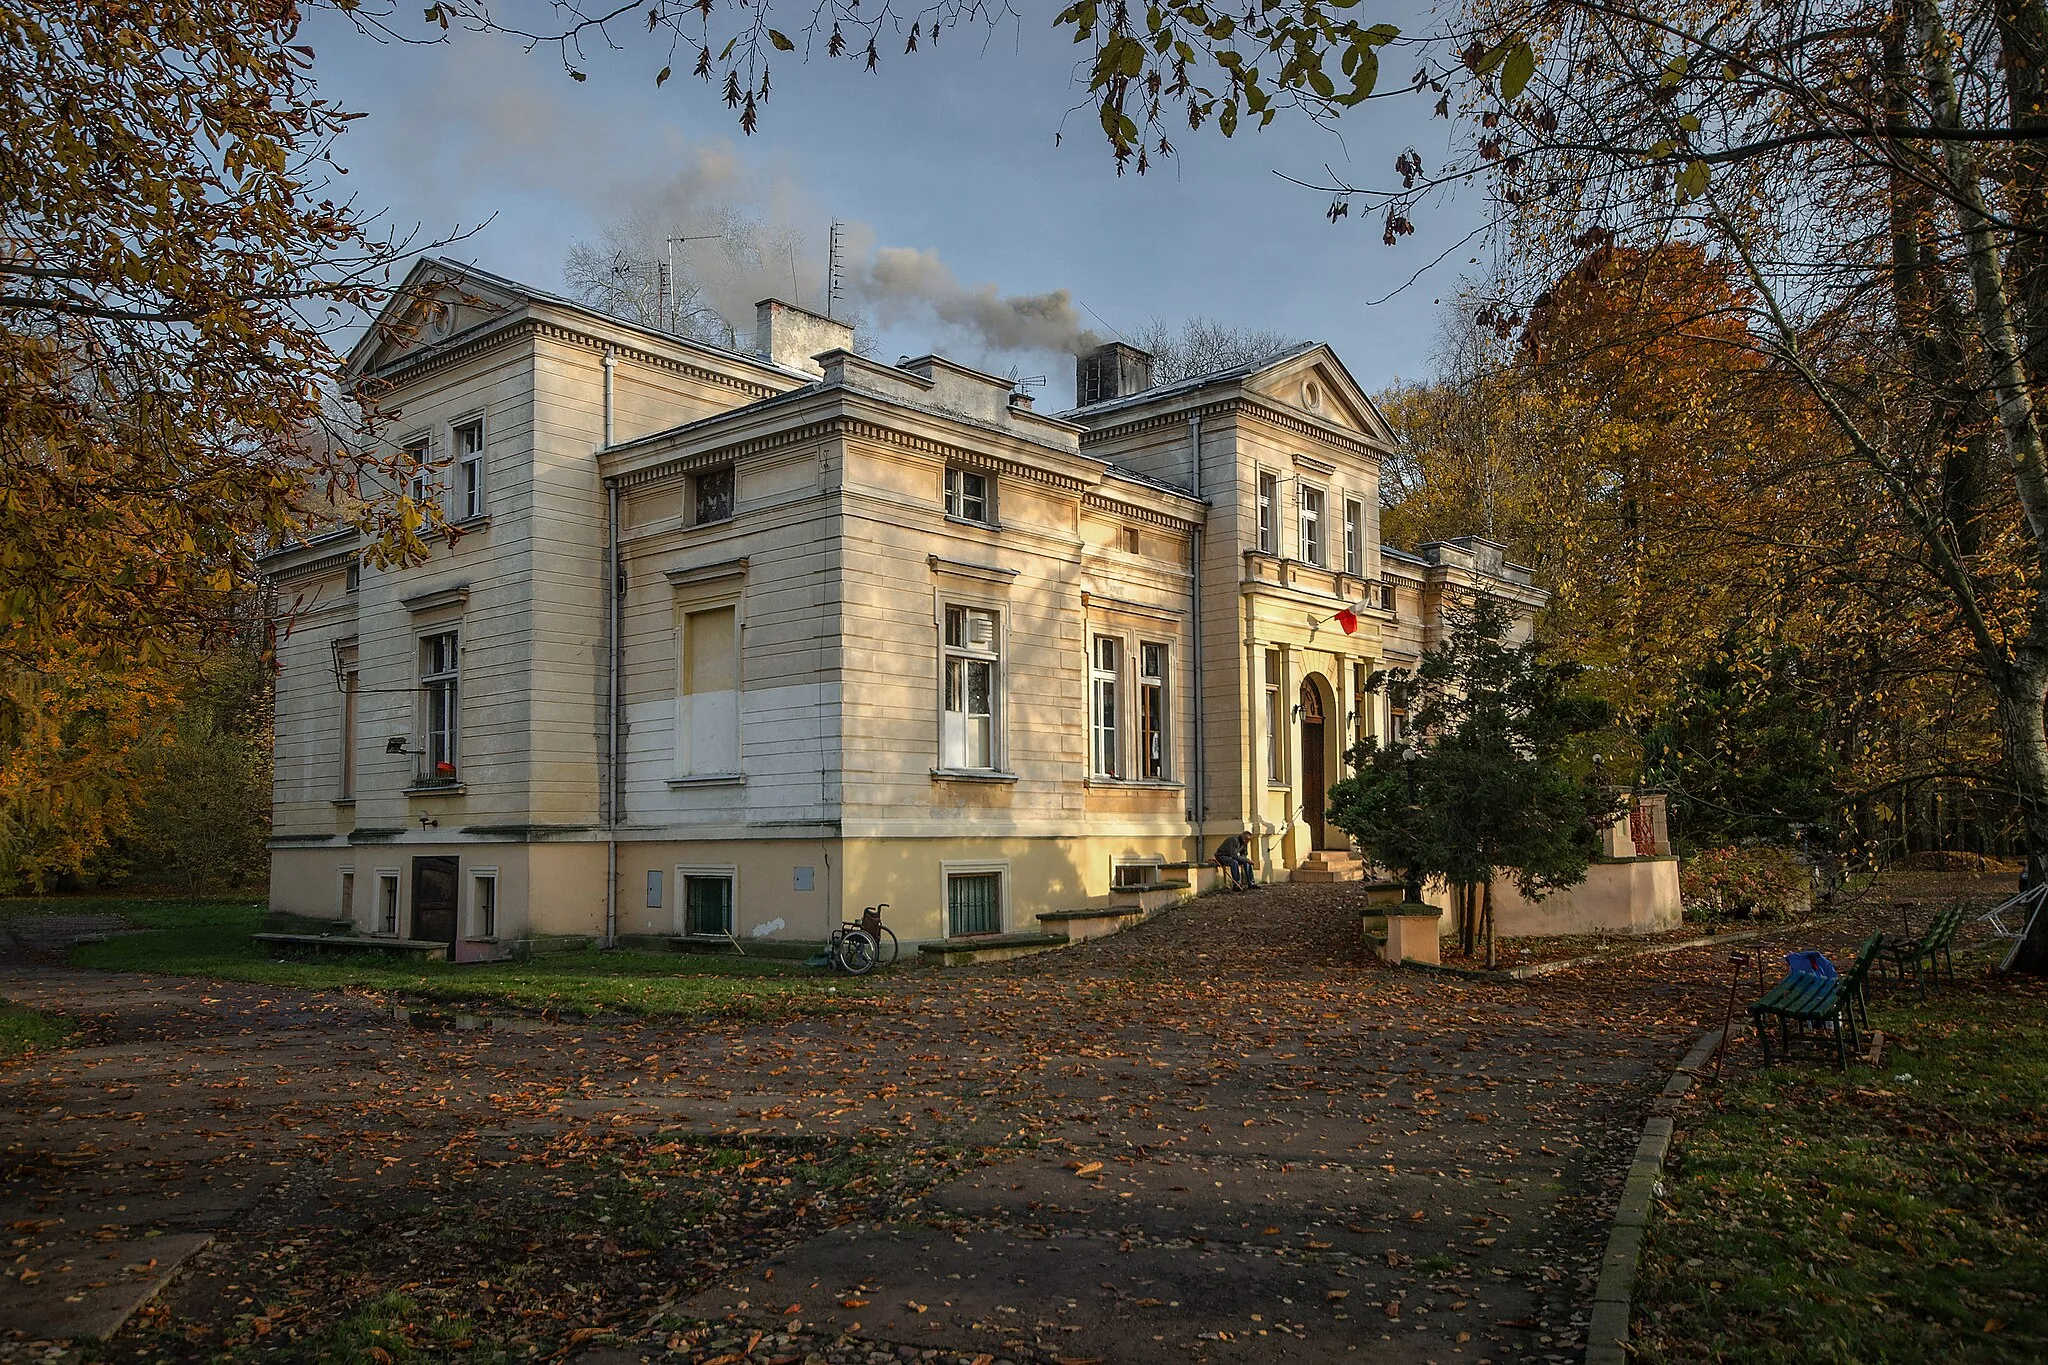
(737, 644)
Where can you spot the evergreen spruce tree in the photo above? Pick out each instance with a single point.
(1498, 778)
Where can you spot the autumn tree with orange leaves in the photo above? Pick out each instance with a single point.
(171, 262)
(1705, 533)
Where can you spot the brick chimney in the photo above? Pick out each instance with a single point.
(1111, 371)
(789, 336)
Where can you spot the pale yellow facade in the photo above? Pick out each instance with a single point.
(742, 643)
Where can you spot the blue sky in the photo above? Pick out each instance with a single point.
(950, 152)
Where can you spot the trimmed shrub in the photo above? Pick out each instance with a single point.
(1754, 882)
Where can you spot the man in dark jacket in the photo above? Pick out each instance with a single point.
(1234, 855)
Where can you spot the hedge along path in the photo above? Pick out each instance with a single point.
(1231, 1134)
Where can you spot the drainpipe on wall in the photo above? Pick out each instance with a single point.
(611, 690)
(1198, 806)
(611, 363)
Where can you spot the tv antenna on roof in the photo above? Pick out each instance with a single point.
(834, 285)
(665, 286)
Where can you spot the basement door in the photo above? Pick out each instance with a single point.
(434, 882)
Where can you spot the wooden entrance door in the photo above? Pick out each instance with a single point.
(1315, 787)
(434, 882)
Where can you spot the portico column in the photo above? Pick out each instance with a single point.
(1290, 692)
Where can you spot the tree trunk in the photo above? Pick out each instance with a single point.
(2022, 683)
(1487, 915)
(2022, 692)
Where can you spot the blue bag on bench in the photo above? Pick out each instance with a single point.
(1811, 963)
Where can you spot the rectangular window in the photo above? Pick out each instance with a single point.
(348, 735)
(1362, 701)
(1269, 506)
(418, 471)
(1354, 537)
(1387, 599)
(1132, 876)
(1273, 768)
(387, 902)
(1103, 685)
(483, 905)
(714, 496)
(967, 721)
(440, 686)
(1153, 723)
(708, 711)
(347, 907)
(707, 904)
(1130, 540)
(974, 903)
(1312, 525)
(967, 497)
(469, 469)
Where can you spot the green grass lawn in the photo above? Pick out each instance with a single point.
(24, 1030)
(1899, 1214)
(211, 938)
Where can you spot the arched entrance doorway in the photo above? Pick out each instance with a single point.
(1315, 780)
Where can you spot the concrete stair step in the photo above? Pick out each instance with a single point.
(964, 952)
(1305, 873)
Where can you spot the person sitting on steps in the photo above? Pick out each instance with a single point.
(1234, 856)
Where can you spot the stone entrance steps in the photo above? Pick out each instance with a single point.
(1128, 907)
(1330, 865)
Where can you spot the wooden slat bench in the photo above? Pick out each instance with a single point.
(1817, 1002)
(355, 943)
(1932, 949)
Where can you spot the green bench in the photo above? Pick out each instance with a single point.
(1812, 1002)
(1931, 949)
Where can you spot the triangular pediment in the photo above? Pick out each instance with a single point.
(1315, 383)
(439, 301)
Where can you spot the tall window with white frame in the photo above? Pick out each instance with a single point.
(968, 497)
(972, 667)
(1269, 511)
(419, 470)
(1273, 752)
(1104, 683)
(441, 698)
(708, 710)
(1154, 723)
(1311, 525)
(469, 469)
(1354, 537)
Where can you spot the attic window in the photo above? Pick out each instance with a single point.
(968, 497)
(1312, 395)
(714, 496)
(1130, 540)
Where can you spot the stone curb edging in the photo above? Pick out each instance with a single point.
(1607, 1327)
(1525, 972)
